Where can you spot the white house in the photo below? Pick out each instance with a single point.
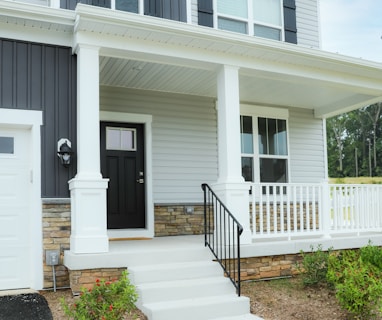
(156, 98)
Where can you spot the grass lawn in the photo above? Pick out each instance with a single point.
(358, 180)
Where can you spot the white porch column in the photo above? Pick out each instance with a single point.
(230, 186)
(88, 189)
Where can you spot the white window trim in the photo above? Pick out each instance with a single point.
(265, 112)
(250, 21)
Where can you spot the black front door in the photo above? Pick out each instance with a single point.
(122, 161)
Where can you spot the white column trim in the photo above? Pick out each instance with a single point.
(88, 189)
(229, 125)
(230, 186)
(145, 119)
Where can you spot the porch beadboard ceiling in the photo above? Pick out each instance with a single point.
(151, 53)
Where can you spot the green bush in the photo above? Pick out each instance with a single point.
(372, 254)
(105, 301)
(360, 291)
(314, 266)
(355, 275)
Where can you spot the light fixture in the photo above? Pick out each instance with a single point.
(64, 152)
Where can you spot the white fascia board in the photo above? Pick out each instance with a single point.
(19, 32)
(28, 11)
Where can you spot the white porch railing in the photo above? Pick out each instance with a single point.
(295, 210)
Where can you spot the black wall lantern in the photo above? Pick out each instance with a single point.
(64, 152)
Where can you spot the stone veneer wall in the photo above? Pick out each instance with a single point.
(174, 220)
(87, 278)
(170, 220)
(56, 234)
(256, 268)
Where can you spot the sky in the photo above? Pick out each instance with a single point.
(352, 28)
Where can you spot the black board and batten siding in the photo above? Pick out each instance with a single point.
(42, 77)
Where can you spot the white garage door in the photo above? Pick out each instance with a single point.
(15, 192)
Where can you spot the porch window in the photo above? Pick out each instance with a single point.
(261, 18)
(264, 149)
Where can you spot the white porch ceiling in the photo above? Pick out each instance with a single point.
(262, 88)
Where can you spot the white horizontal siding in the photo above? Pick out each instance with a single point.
(184, 140)
(307, 150)
(307, 19)
(194, 12)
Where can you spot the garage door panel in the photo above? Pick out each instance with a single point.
(9, 218)
(13, 271)
(15, 191)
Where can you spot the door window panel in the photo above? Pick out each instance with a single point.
(7, 145)
(123, 139)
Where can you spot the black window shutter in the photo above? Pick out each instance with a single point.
(168, 9)
(290, 26)
(205, 13)
(152, 8)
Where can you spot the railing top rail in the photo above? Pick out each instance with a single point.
(240, 227)
(365, 185)
(286, 184)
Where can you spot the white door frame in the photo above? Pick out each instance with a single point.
(145, 119)
(32, 120)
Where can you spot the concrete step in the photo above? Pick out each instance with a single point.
(168, 256)
(247, 316)
(204, 308)
(174, 271)
(183, 289)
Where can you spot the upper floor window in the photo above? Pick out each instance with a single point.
(168, 9)
(262, 18)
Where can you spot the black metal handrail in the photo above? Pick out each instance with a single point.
(222, 235)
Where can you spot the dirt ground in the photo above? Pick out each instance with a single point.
(288, 299)
(284, 299)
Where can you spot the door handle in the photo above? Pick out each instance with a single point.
(141, 180)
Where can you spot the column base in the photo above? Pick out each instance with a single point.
(235, 196)
(89, 244)
(89, 215)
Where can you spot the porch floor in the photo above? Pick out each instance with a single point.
(123, 252)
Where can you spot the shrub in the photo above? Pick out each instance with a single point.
(360, 291)
(314, 266)
(372, 254)
(105, 301)
(355, 277)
